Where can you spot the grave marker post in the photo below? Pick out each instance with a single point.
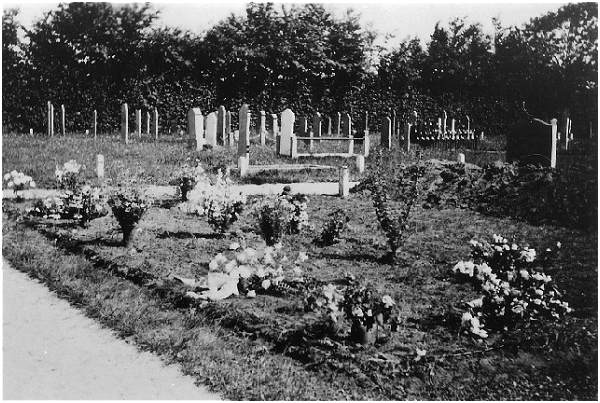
(228, 131)
(329, 126)
(338, 122)
(554, 124)
(95, 124)
(316, 128)
(344, 184)
(138, 122)
(100, 167)
(263, 128)
(62, 119)
(386, 133)
(244, 134)
(148, 123)
(406, 142)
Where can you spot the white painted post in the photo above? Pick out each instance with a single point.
(386, 133)
(445, 123)
(360, 163)
(221, 121)
(244, 134)
(148, 123)
(344, 184)
(62, 119)
(263, 128)
(125, 123)
(138, 122)
(554, 123)
(243, 165)
(461, 158)
(366, 143)
(49, 119)
(406, 143)
(294, 150)
(95, 124)
(31, 132)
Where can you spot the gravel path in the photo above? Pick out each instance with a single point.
(53, 352)
(309, 188)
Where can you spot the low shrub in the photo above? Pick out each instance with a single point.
(284, 214)
(69, 176)
(332, 229)
(84, 204)
(514, 287)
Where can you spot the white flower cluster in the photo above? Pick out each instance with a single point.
(66, 176)
(18, 181)
(513, 289)
(216, 200)
(259, 270)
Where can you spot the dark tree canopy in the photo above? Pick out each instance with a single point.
(98, 55)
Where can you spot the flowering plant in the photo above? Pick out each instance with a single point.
(283, 214)
(187, 176)
(18, 181)
(332, 229)
(68, 176)
(84, 205)
(251, 272)
(363, 307)
(513, 285)
(216, 200)
(128, 207)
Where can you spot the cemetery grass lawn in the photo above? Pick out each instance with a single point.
(252, 349)
(150, 162)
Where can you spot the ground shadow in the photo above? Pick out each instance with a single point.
(188, 235)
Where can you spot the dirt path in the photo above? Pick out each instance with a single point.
(52, 351)
(309, 188)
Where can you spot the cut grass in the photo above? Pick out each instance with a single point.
(565, 368)
(151, 162)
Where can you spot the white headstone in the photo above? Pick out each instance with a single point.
(195, 129)
(62, 120)
(125, 123)
(287, 131)
(344, 185)
(461, 158)
(263, 128)
(100, 166)
(211, 129)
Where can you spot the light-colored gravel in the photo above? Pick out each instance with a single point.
(52, 351)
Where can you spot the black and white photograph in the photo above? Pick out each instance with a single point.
(300, 201)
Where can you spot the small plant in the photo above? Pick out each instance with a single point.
(128, 207)
(68, 176)
(362, 308)
(221, 206)
(18, 181)
(394, 221)
(514, 288)
(84, 205)
(284, 214)
(332, 229)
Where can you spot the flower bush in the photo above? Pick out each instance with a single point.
(284, 214)
(128, 207)
(187, 176)
(18, 181)
(68, 176)
(405, 188)
(84, 205)
(361, 306)
(332, 229)
(216, 200)
(250, 272)
(514, 288)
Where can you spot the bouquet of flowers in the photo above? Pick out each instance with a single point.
(68, 176)
(187, 176)
(128, 207)
(18, 181)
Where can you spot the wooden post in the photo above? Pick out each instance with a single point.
(138, 122)
(62, 119)
(554, 123)
(344, 184)
(95, 124)
(406, 142)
